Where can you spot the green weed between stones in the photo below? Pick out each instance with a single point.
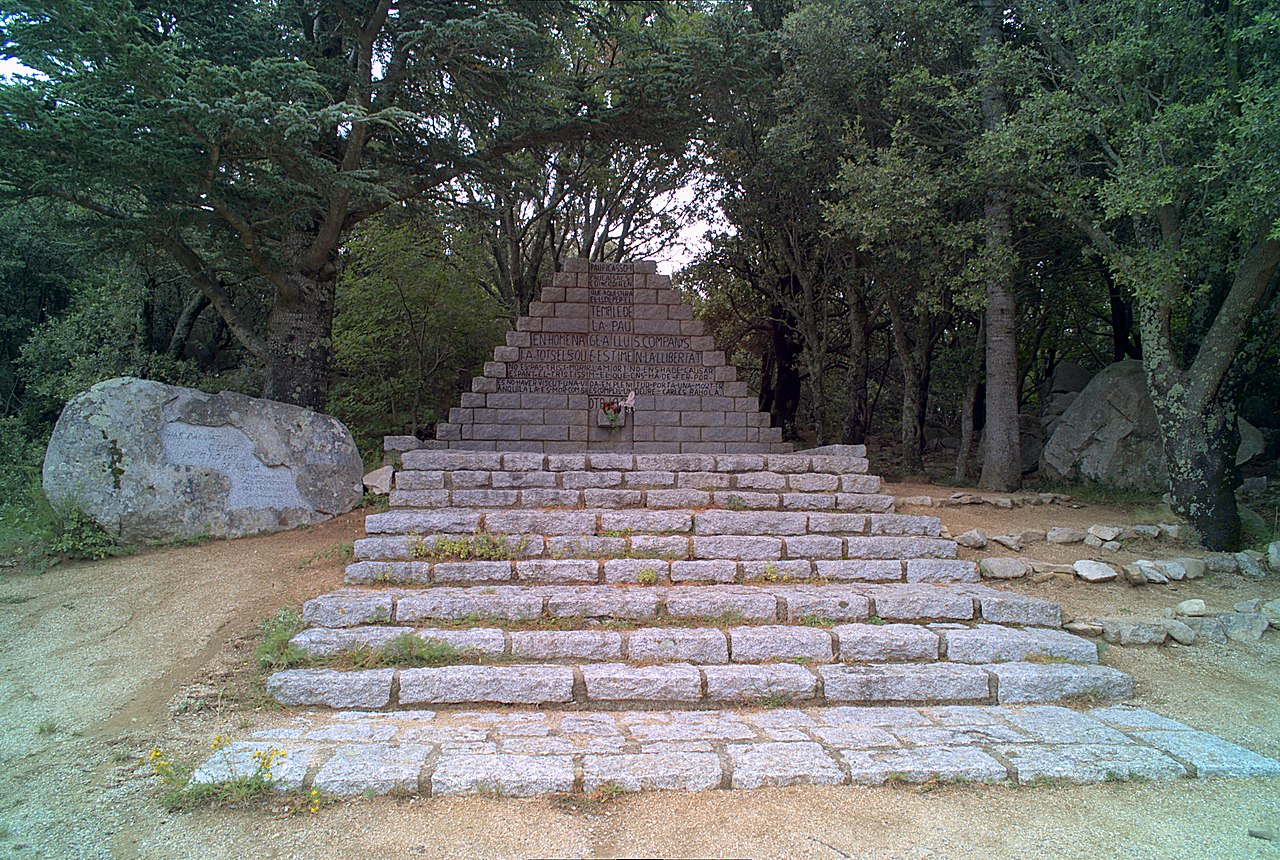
(48, 727)
(377, 502)
(812, 620)
(404, 650)
(343, 552)
(275, 652)
(179, 793)
(480, 546)
(1049, 659)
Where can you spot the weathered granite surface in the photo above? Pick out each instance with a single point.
(151, 462)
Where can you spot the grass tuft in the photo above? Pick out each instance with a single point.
(274, 652)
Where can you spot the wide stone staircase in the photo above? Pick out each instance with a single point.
(675, 580)
(524, 623)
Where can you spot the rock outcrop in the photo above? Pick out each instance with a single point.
(150, 462)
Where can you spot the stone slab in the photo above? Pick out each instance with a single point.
(648, 771)
(369, 688)
(1210, 755)
(1021, 683)
(944, 764)
(502, 775)
(915, 683)
(372, 769)
(776, 763)
(506, 685)
(1088, 762)
(761, 644)
(512, 753)
(752, 683)
(673, 682)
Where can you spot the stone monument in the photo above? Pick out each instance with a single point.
(603, 334)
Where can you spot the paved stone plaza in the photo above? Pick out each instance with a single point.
(516, 754)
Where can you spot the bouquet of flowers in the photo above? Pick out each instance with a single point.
(615, 411)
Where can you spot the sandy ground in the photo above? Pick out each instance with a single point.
(106, 661)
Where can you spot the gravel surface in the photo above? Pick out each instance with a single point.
(107, 661)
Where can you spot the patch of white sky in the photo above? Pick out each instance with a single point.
(691, 239)
(10, 67)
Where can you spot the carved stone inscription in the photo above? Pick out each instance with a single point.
(228, 451)
(610, 359)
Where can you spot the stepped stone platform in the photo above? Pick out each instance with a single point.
(604, 332)
(677, 602)
(690, 621)
(524, 753)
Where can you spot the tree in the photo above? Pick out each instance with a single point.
(247, 138)
(1153, 129)
(598, 200)
(414, 323)
(1001, 454)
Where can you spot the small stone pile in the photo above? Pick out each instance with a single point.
(1005, 503)
(1187, 623)
(1249, 563)
(1097, 536)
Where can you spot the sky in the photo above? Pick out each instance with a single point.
(8, 67)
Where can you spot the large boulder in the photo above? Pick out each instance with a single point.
(1059, 391)
(150, 462)
(1031, 439)
(1109, 434)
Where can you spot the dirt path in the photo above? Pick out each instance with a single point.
(105, 661)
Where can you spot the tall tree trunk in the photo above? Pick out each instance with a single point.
(1001, 457)
(914, 384)
(186, 324)
(854, 429)
(786, 389)
(300, 332)
(968, 411)
(1200, 453)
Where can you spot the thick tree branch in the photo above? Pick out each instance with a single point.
(213, 290)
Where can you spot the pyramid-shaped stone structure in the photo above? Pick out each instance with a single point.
(600, 332)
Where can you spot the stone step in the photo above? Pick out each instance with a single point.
(841, 643)
(834, 460)
(608, 685)
(881, 534)
(634, 480)
(707, 566)
(621, 499)
(784, 604)
(516, 753)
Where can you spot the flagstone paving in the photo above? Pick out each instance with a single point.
(524, 753)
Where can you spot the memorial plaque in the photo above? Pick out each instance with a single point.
(228, 451)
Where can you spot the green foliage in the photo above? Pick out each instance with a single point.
(39, 535)
(413, 324)
(78, 536)
(480, 546)
(404, 651)
(275, 652)
(180, 793)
